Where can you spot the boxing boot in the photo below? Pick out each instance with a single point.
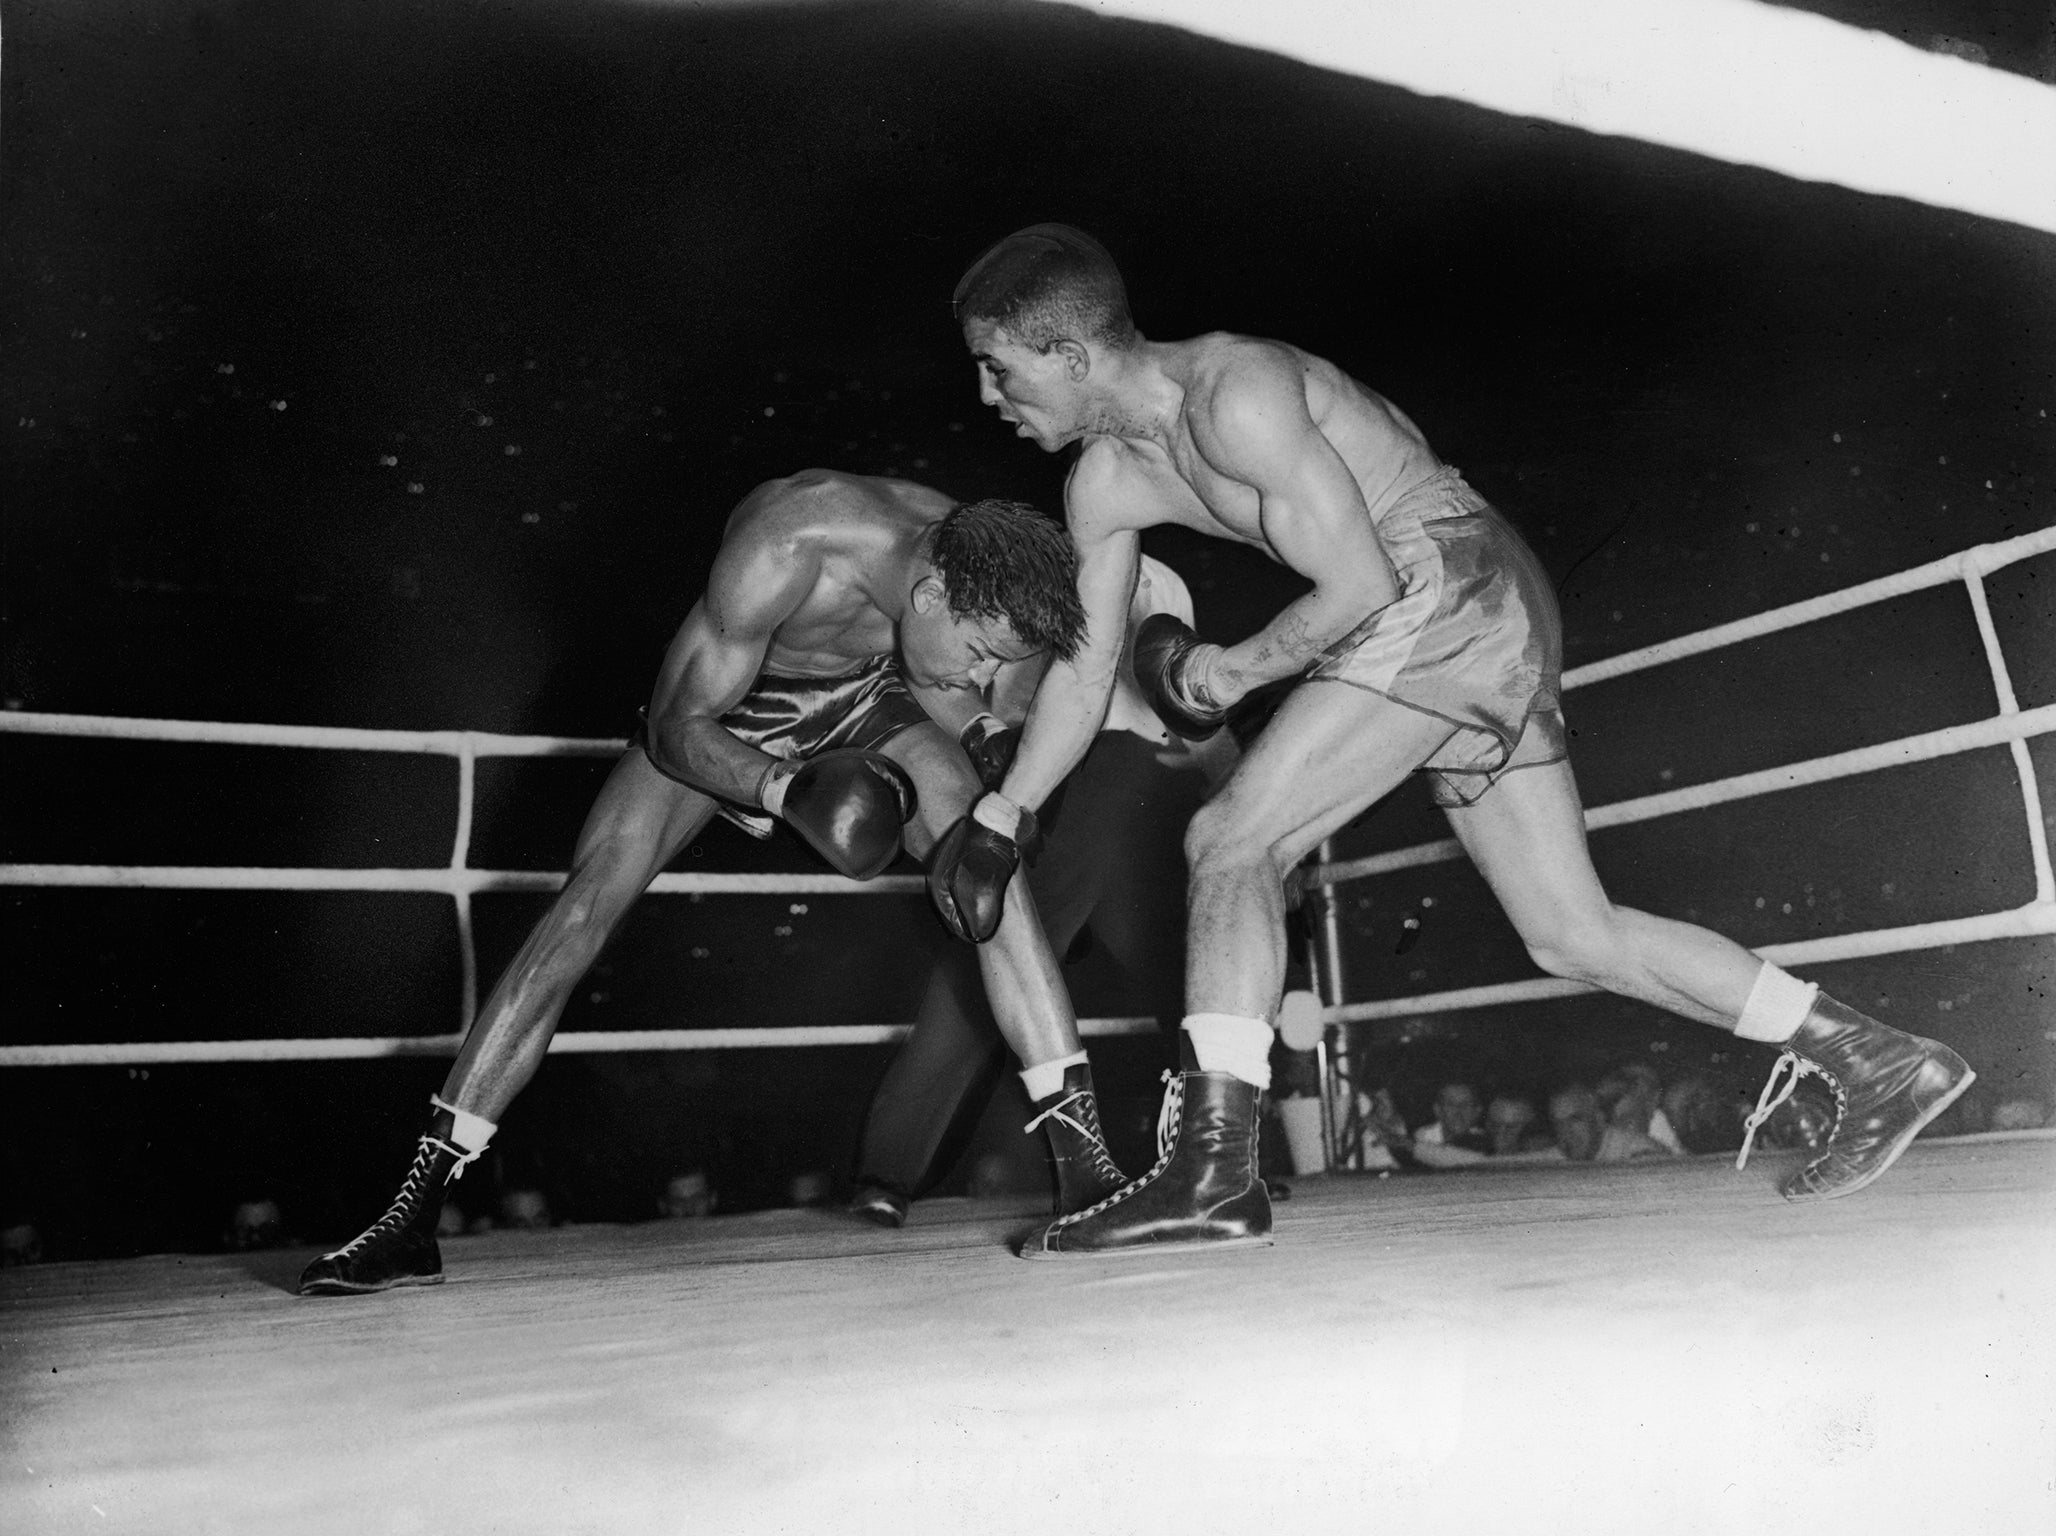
(1085, 1169)
(400, 1247)
(1886, 1086)
(1203, 1193)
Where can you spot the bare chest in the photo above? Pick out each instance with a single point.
(836, 629)
(1180, 486)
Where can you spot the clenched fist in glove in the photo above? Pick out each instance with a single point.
(1171, 665)
(970, 868)
(849, 805)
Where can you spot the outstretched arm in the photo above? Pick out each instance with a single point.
(1253, 427)
(757, 583)
(1071, 701)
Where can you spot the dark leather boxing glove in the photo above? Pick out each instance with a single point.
(1164, 646)
(848, 804)
(990, 743)
(970, 868)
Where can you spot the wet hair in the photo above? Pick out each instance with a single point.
(1005, 560)
(1045, 283)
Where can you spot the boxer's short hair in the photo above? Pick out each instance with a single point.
(1005, 560)
(1045, 283)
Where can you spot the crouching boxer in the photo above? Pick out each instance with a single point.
(793, 693)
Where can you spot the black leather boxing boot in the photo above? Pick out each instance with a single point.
(1085, 1169)
(1203, 1193)
(400, 1247)
(1886, 1085)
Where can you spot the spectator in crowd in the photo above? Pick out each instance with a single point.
(1456, 1136)
(1584, 1134)
(1510, 1126)
(1387, 1144)
(686, 1195)
(525, 1208)
(1578, 1122)
(1632, 1096)
(1705, 1117)
(255, 1224)
(20, 1244)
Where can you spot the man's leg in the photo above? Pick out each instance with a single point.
(1023, 983)
(1527, 837)
(1330, 751)
(939, 1069)
(636, 826)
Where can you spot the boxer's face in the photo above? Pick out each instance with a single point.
(941, 649)
(1033, 391)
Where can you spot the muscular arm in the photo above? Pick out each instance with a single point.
(757, 583)
(1071, 701)
(1253, 427)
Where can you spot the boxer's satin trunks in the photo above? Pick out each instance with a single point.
(791, 717)
(1474, 638)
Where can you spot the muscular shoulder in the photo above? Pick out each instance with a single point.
(775, 541)
(1112, 489)
(1239, 385)
(1093, 490)
(793, 503)
(825, 505)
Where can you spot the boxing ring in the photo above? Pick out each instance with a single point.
(1441, 1345)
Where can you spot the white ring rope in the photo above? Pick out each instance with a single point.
(2011, 726)
(463, 882)
(586, 1042)
(1744, 82)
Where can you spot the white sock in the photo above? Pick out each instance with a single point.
(1048, 1078)
(1778, 1004)
(471, 1132)
(1227, 1042)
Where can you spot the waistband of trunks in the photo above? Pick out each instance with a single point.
(793, 681)
(1445, 493)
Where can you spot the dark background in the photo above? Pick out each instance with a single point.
(396, 365)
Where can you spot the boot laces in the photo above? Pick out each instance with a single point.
(1168, 1119)
(1056, 1112)
(1168, 1116)
(1776, 1090)
(412, 1191)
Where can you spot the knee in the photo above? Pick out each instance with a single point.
(1576, 946)
(1217, 841)
(945, 788)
